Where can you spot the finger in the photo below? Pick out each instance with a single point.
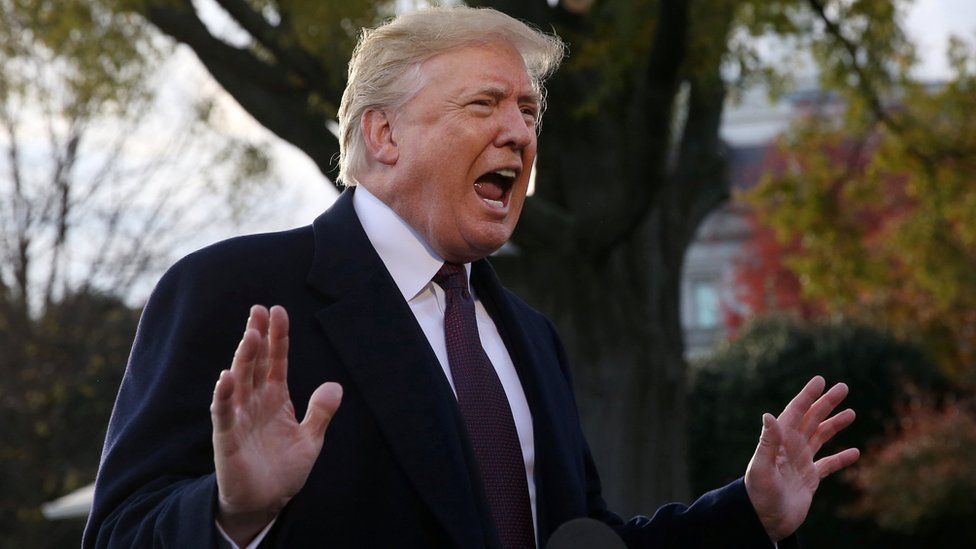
(321, 407)
(242, 368)
(257, 321)
(822, 408)
(222, 407)
(260, 319)
(795, 410)
(769, 439)
(278, 345)
(829, 428)
(831, 464)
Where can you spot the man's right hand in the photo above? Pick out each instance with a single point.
(263, 455)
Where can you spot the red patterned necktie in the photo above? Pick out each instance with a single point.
(486, 413)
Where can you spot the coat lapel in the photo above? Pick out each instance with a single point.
(548, 396)
(388, 357)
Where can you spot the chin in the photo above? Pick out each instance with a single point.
(473, 249)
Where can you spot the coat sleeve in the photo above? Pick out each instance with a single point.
(721, 518)
(156, 485)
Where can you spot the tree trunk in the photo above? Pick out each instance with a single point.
(634, 196)
(603, 259)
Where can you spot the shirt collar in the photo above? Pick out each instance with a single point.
(410, 260)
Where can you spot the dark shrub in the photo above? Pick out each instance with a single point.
(764, 368)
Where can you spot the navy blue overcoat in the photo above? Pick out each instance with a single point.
(395, 467)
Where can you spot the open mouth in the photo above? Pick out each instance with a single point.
(495, 186)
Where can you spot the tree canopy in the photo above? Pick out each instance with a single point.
(866, 213)
(874, 211)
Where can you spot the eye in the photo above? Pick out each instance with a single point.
(482, 105)
(531, 115)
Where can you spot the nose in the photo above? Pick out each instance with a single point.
(513, 132)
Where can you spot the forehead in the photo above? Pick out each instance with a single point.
(494, 67)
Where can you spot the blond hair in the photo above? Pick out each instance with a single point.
(384, 71)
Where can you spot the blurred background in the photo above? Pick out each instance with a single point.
(730, 197)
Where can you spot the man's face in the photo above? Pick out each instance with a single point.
(465, 144)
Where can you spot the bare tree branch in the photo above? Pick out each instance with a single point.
(63, 187)
(868, 90)
(265, 90)
(700, 182)
(661, 81)
(865, 82)
(286, 49)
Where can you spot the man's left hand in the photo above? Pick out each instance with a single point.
(782, 475)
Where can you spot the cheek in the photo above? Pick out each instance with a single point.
(445, 206)
(519, 194)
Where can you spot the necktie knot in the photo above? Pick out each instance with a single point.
(452, 276)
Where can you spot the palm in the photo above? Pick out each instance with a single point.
(265, 445)
(782, 475)
(262, 454)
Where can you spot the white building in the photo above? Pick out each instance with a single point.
(708, 277)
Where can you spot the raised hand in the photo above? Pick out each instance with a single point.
(263, 455)
(782, 475)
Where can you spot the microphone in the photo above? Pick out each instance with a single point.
(584, 533)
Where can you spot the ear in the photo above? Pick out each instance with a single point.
(378, 135)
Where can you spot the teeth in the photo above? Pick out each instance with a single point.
(506, 172)
(495, 203)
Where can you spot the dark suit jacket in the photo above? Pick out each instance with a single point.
(394, 470)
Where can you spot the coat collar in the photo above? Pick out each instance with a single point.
(541, 382)
(406, 254)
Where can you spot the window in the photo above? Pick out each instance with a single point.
(705, 304)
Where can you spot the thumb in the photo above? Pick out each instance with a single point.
(769, 439)
(321, 407)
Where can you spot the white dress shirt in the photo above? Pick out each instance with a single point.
(412, 264)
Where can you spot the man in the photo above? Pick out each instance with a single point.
(457, 425)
